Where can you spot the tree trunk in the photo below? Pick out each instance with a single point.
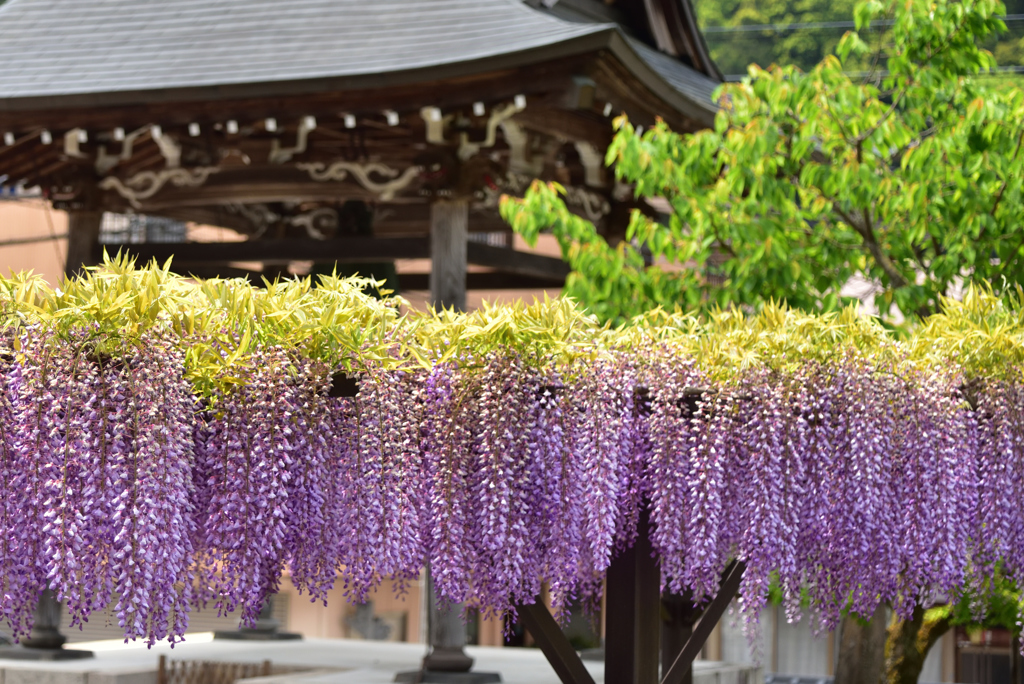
(861, 650)
(908, 644)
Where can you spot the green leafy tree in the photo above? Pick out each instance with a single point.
(910, 178)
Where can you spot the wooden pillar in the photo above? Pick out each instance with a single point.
(680, 616)
(83, 240)
(449, 227)
(633, 619)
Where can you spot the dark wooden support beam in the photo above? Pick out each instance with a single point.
(513, 261)
(553, 643)
(342, 250)
(83, 240)
(633, 613)
(679, 616)
(543, 269)
(493, 280)
(683, 663)
(449, 229)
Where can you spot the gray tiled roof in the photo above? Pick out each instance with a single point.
(696, 86)
(67, 47)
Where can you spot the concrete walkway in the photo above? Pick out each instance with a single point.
(330, 661)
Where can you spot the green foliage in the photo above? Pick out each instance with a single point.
(912, 181)
(1000, 606)
(816, 34)
(219, 324)
(733, 51)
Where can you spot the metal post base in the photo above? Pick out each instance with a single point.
(435, 677)
(42, 654)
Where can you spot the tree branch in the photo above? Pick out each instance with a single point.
(1009, 175)
(874, 248)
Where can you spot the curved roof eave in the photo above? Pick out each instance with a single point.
(645, 67)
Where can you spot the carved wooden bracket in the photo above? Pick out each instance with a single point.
(340, 170)
(105, 162)
(145, 184)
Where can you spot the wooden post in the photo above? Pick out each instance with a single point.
(677, 630)
(83, 240)
(1015, 658)
(449, 227)
(633, 619)
(553, 643)
(682, 664)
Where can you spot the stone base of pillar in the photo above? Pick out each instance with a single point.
(42, 654)
(246, 634)
(435, 677)
(442, 659)
(265, 628)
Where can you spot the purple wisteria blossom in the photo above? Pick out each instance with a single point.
(840, 481)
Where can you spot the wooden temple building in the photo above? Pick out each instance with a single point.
(336, 130)
(355, 132)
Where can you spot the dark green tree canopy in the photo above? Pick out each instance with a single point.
(801, 32)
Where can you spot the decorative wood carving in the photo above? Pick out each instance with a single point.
(435, 124)
(72, 143)
(340, 170)
(593, 163)
(259, 215)
(281, 155)
(170, 150)
(498, 116)
(520, 159)
(319, 224)
(105, 162)
(147, 183)
(593, 205)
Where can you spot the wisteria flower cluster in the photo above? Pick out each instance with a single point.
(186, 446)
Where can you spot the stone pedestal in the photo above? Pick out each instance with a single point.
(265, 629)
(45, 642)
(446, 662)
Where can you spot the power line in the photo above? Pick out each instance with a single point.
(32, 240)
(750, 28)
(736, 78)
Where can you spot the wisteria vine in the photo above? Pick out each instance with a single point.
(188, 444)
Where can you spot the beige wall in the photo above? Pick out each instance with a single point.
(32, 219)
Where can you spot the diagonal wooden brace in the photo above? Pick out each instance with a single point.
(710, 617)
(553, 643)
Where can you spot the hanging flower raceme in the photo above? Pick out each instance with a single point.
(503, 563)
(30, 444)
(377, 441)
(167, 444)
(446, 443)
(154, 513)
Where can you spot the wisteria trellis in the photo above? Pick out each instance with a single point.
(165, 444)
